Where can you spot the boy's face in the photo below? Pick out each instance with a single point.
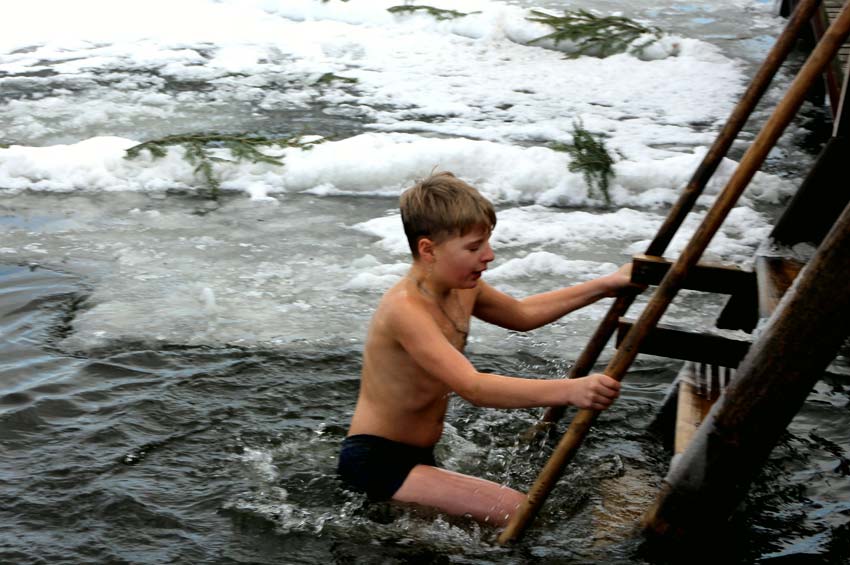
(460, 260)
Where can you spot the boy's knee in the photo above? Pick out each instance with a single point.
(512, 499)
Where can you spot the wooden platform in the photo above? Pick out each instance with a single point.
(836, 75)
(831, 9)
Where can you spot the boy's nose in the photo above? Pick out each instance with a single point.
(488, 255)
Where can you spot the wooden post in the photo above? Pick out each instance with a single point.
(736, 121)
(841, 127)
(664, 294)
(774, 379)
(818, 202)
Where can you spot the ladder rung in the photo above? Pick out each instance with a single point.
(706, 277)
(677, 343)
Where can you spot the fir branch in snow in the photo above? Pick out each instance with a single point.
(328, 78)
(594, 35)
(438, 13)
(199, 150)
(591, 158)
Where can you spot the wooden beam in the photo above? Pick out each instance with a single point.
(699, 387)
(690, 413)
(740, 312)
(772, 382)
(704, 276)
(775, 275)
(821, 197)
(842, 118)
(669, 341)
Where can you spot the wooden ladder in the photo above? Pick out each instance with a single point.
(686, 271)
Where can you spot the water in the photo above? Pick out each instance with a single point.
(177, 371)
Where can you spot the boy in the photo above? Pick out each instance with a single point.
(413, 356)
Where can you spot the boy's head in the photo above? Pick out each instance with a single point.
(442, 206)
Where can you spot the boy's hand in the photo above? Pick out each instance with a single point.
(596, 391)
(621, 279)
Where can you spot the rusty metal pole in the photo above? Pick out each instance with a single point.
(734, 124)
(672, 282)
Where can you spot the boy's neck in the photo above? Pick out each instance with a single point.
(421, 275)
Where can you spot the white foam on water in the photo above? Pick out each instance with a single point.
(580, 231)
(280, 265)
(474, 76)
(503, 172)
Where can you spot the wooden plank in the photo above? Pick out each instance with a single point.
(834, 74)
(820, 198)
(691, 410)
(704, 276)
(774, 275)
(679, 418)
(842, 117)
(740, 312)
(670, 341)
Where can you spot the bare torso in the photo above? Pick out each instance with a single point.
(398, 400)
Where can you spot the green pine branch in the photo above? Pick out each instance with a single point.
(328, 78)
(438, 13)
(200, 150)
(593, 35)
(591, 158)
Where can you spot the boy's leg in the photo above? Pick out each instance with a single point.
(459, 495)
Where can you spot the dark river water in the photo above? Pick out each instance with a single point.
(227, 455)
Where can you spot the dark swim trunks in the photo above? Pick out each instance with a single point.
(378, 466)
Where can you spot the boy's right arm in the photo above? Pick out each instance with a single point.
(419, 335)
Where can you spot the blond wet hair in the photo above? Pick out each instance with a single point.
(441, 206)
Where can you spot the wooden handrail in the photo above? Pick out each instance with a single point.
(712, 159)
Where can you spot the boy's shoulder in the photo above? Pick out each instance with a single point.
(400, 300)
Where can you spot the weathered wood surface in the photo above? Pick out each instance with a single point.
(666, 340)
(821, 197)
(842, 116)
(775, 276)
(836, 73)
(799, 341)
(704, 276)
(691, 410)
(832, 8)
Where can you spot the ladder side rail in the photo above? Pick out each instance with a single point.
(712, 159)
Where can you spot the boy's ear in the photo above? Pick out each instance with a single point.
(426, 248)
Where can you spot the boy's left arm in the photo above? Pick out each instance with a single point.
(498, 308)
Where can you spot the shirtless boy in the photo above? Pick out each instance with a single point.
(413, 357)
